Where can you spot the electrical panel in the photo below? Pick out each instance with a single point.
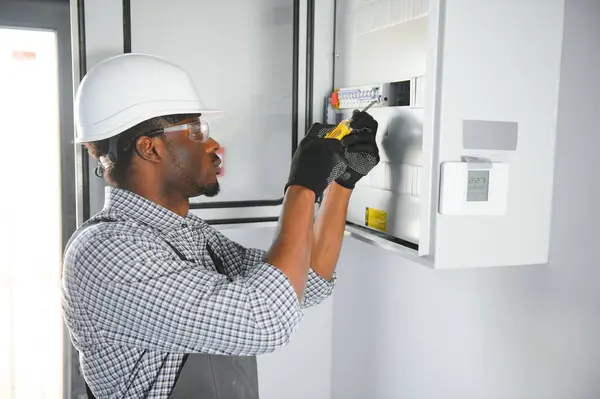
(465, 178)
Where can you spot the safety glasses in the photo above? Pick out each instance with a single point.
(198, 132)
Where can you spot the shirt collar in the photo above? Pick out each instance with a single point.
(136, 207)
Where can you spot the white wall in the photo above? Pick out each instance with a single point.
(301, 370)
(405, 331)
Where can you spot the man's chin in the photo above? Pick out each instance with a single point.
(210, 190)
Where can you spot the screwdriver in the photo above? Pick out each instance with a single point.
(343, 129)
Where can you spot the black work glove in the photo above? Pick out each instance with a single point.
(361, 150)
(316, 163)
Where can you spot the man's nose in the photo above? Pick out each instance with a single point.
(212, 145)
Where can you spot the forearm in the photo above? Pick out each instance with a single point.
(329, 231)
(291, 251)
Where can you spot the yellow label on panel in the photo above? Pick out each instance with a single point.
(376, 219)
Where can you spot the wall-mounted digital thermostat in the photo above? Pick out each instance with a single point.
(473, 188)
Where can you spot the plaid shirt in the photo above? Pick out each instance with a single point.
(134, 307)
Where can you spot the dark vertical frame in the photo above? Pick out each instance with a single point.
(334, 54)
(126, 26)
(295, 74)
(310, 50)
(85, 158)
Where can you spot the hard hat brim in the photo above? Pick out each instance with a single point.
(209, 114)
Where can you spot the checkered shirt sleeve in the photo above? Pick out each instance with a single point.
(138, 294)
(239, 260)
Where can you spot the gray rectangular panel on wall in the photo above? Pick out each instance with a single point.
(240, 56)
(490, 135)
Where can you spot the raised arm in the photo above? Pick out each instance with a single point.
(362, 155)
(329, 231)
(137, 292)
(316, 163)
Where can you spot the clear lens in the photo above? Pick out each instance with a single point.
(199, 131)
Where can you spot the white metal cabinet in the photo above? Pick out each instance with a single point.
(491, 72)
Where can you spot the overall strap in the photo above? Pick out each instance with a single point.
(221, 269)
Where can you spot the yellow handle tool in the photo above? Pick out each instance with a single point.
(343, 129)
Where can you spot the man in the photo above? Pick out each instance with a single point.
(160, 304)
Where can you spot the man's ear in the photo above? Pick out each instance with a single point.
(150, 149)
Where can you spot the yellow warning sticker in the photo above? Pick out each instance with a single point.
(376, 219)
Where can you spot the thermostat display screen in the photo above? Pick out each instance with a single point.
(474, 189)
(478, 185)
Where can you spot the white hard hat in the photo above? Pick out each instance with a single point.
(123, 91)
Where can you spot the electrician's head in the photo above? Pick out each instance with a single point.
(141, 117)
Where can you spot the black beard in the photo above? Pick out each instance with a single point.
(210, 190)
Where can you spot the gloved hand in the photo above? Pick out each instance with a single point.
(361, 150)
(316, 163)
